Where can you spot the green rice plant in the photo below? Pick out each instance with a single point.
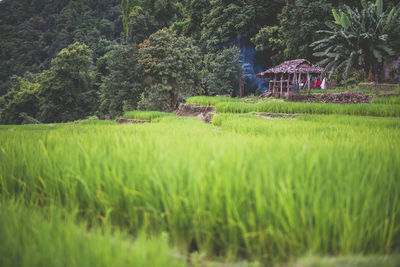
(147, 115)
(31, 237)
(379, 110)
(250, 187)
(346, 261)
(393, 100)
(211, 100)
(95, 121)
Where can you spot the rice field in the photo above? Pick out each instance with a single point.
(180, 192)
(381, 107)
(387, 100)
(379, 110)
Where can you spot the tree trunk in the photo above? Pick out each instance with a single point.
(174, 99)
(376, 79)
(240, 72)
(370, 71)
(344, 76)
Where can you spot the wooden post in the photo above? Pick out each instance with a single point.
(299, 81)
(273, 90)
(287, 85)
(281, 84)
(308, 81)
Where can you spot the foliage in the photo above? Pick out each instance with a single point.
(152, 14)
(22, 99)
(66, 89)
(299, 22)
(360, 39)
(270, 38)
(171, 69)
(194, 13)
(227, 21)
(141, 25)
(121, 84)
(222, 71)
(34, 32)
(231, 21)
(26, 119)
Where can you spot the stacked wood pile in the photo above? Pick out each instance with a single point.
(348, 98)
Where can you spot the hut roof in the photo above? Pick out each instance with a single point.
(292, 66)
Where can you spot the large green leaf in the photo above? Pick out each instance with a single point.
(387, 49)
(336, 16)
(344, 21)
(364, 4)
(389, 18)
(379, 6)
(377, 55)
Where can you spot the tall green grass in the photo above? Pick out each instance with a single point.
(147, 115)
(379, 110)
(32, 237)
(211, 100)
(393, 100)
(254, 188)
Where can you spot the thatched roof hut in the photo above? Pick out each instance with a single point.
(290, 73)
(292, 66)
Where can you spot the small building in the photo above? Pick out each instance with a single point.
(289, 75)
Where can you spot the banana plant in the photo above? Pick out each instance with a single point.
(360, 39)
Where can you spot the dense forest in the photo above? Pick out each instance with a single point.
(64, 60)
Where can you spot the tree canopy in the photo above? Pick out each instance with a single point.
(171, 69)
(360, 39)
(66, 59)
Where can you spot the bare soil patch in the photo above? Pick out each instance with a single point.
(204, 113)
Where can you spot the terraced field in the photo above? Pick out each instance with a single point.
(244, 190)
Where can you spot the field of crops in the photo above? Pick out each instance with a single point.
(242, 189)
(381, 107)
